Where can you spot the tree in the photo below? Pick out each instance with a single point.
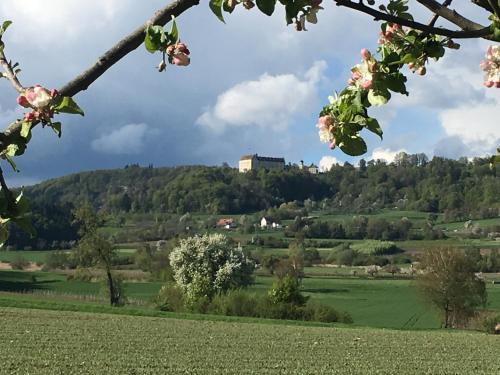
(450, 284)
(95, 250)
(207, 265)
(404, 42)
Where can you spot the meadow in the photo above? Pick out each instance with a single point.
(50, 342)
(381, 302)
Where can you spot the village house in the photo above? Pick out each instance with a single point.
(226, 223)
(253, 162)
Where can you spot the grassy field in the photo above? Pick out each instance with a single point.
(32, 256)
(371, 302)
(50, 342)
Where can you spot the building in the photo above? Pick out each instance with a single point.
(263, 223)
(252, 162)
(226, 223)
(312, 169)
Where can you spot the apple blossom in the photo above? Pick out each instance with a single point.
(491, 66)
(38, 97)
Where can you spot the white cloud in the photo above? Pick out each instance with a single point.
(385, 154)
(58, 19)
(269, 102)
(477, 127)
(326, 163)
(128, 139)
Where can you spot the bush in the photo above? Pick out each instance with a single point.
(488, 322)
(19, 263)
(170, 298)
(81, 274)
(236, 303)
(286, 290)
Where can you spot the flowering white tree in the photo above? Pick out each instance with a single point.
(404, 43)
(207, 265)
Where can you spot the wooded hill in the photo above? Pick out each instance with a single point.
(460, 189)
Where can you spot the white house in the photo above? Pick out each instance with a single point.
(263, 223)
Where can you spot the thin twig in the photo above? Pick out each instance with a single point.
(474, 32)
(9, 73)
(435, 17)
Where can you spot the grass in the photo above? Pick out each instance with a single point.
(389, 303)
(32, 256)
(48, 342)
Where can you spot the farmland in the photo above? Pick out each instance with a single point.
(47, 342)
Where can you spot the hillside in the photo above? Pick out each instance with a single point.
(141, 345)
(458, 189)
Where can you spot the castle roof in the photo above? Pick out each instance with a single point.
(262, 158)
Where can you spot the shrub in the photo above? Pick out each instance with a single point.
(286, 290)
(170, 298)
(19, 263)
(207, 265)
(236, 303)
(81, 274)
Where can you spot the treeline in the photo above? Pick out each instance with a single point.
(460, 189)
(362, 227)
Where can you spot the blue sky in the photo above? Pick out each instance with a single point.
(254, 86)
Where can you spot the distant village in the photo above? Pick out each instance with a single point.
(254, 162)
(230, 223)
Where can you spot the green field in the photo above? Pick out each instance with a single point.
(371, 302)
(32, 256)
(50, 342)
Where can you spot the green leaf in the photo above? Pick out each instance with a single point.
(11, 162)
(174, 32)
(354, 145)
(22, 205)
(5, 26)
(4, 233)
(396, 83)
(16, 149)
(377, 98)
(25, 129)
(216, 7)
(155, 37)
(66, 104)
(266, 6)
(373, 126)
(56, 127)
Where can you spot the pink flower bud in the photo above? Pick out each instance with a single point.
(489, 83)
(181, 59)
(355, 75)
(53, 93)
(367, 84)
(325, 121)
(181, 47)
(28, 116)
(497, 84)
(421, 71)
(170, 50)
(333, 144)
(22, 101)
(365, 54)
(350, 81)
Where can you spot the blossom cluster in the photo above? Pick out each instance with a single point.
(326, 125)
(491, 67)
(178, 54)
(394, 39)
(362, 74)
(39, 99)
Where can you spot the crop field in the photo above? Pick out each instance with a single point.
(50, 342)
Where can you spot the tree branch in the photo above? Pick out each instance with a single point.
(435, 17)
(480, 32)
(450, 15)
(124, 47)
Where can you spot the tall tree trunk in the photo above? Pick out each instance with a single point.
(113, 298)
